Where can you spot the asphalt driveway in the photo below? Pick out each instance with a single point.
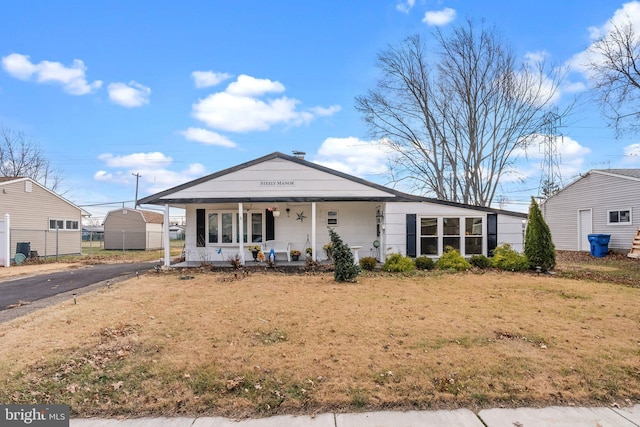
(17, 295)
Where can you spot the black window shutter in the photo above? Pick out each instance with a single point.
(270, 225)
(200, 228)
(492, 233)
(411, 235)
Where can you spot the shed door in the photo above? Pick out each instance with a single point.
(584, 229)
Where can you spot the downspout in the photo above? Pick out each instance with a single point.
(167, 244)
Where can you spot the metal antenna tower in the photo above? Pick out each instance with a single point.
(550, 177)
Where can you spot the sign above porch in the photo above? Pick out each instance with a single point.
(275, 177)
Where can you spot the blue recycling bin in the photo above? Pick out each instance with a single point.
(599, 244)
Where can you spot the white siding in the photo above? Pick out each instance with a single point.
(281, 178)
(31, 206)
(509, 227)
(356, 227)
(600, 193)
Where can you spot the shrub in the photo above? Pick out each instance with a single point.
(506, 258)
(397, 263)
(368, 263)
(480, 261)
(425, 263)
(538, 246)
(452, 260)
(344, 269)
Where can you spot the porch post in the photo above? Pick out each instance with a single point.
(313, 231)
(165, 237)
(241, 232)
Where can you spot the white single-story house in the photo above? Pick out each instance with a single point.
(602, 201)
(285, 202)
(42, 222)
(133, 229)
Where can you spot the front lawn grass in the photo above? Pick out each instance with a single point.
(257, 344)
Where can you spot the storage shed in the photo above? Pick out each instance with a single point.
(133, 229)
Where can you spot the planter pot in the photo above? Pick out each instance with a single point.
(255, 255)
(295, 257)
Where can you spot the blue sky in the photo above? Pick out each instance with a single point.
(177, 90)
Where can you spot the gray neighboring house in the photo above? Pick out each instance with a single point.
(133, 229)
(602, 201)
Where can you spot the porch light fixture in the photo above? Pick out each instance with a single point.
(379, 214)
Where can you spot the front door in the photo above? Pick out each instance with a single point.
(584, 229)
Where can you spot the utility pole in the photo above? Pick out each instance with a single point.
(137, 175)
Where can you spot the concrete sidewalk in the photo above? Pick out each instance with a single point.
(554, 416)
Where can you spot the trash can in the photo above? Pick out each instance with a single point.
(24, 248)
(599, 244)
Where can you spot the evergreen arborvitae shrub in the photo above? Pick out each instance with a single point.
(368, 263)
(538, 246)
(397, 263)
(425, 263)
(344, 269)
(506, 258)
(452, 260)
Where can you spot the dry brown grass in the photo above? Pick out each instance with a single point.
(214, 343)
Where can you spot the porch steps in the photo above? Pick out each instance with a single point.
(635, 246)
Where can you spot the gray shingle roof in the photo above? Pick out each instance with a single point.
(631, 173)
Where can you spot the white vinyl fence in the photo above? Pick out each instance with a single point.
(5, 242)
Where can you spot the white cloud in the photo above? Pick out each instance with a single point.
(439, 17)
(405, 6)
(250, 86)
(322, 111)
(208, 78)
(129, 95)
(632, 154)
(628, 13)
(72, 79)
(353, 156)
(136, 160)
(571, 157)
(207, 137)
(241, 107)
(103, 176)
(152, 168)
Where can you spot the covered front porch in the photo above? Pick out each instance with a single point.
(279, 229)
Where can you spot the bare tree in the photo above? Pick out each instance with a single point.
(21, 157)
(454, 118)
(614, 65)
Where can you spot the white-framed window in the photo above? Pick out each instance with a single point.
(436, 233)
(619, 217)
(56, 224)
(223, 227)
(64, 224)
(332, 218)
(428, 238)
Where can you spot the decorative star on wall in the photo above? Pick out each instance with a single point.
(301, 217)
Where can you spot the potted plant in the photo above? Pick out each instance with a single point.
(295, 254)
(309, 252)
(255, 250)
(327, 249)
